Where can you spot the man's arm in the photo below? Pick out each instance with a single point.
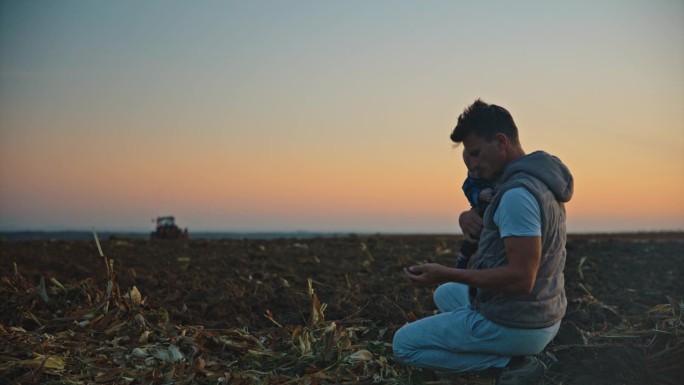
(517, 277)
(519, 220)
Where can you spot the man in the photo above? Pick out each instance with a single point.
(507, 307)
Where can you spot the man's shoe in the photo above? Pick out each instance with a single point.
(529, 372)
(547, 358)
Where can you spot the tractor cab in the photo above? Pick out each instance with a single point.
(167, 229)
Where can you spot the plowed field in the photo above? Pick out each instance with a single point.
(240, 311)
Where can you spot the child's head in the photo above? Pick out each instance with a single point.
(466, 160)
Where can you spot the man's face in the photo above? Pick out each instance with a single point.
(486, 159)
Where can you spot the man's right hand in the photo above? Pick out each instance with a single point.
(471, 225)
(427, 273)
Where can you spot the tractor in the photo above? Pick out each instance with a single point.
(167, 229)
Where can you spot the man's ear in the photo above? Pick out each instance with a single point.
(501, 141)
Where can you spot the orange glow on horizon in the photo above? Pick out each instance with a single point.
(322, 122)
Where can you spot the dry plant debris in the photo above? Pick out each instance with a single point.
(82, 334)
(92, 331)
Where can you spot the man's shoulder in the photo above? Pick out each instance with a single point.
(518, 213)
(516, 194)
(519, 200)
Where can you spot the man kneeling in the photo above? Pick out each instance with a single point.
(507, 306)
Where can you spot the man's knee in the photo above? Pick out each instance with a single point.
(401, 346)
(451, 296)
(442, 292)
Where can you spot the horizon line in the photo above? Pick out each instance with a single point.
(681, 230)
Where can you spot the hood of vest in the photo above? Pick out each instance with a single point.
(545, 167)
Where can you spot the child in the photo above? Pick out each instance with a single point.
(479, 192)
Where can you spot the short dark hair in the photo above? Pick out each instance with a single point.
(484, 120)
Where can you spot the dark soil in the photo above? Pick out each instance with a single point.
(611, 333)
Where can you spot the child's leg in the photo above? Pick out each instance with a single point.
(467, 250)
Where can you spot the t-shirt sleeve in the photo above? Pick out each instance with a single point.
(518, 214)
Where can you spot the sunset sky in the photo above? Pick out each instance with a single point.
(329, 116)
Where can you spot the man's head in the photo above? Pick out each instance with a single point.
(490, 138)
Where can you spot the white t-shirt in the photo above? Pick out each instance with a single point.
(518, 214)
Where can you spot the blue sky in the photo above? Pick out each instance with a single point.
(329, 115)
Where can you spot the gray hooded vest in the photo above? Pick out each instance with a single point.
(551, 184)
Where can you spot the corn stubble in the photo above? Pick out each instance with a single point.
(83, 334)
(95, 332)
